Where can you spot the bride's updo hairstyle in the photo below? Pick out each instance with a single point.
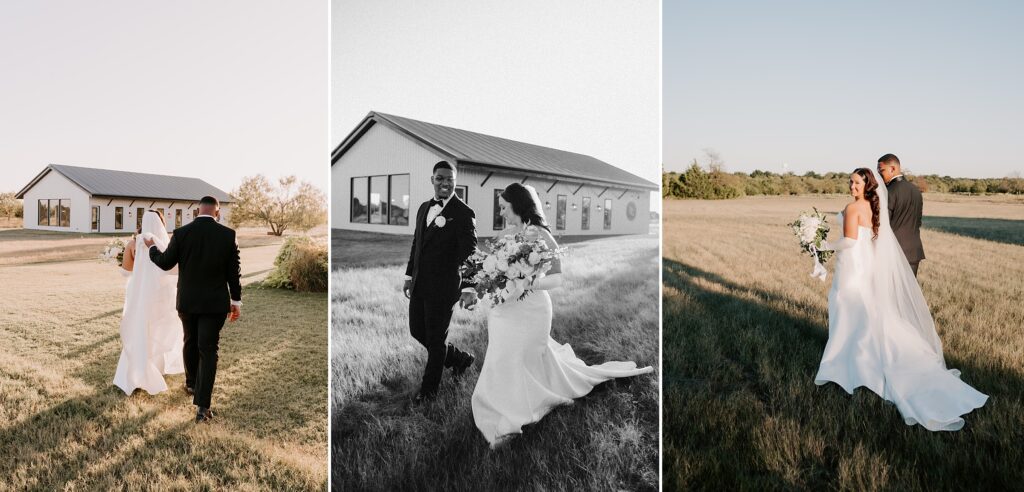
(525, 205)
(871, 195)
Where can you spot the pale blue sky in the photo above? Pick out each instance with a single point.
(579, 75)
(216, 90)
(828, 86)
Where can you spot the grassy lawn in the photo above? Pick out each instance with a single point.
(65, 426)
(745, 326)
(607, 440)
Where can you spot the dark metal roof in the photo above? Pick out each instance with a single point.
(109, 183)
(498, 153)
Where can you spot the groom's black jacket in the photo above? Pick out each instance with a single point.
(437, 252)
(209, 269)
(905, 209)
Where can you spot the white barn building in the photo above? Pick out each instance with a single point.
(82, 199)
(381, 173)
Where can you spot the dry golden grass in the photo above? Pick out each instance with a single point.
(745, 326)
(607, 440)
(63, 425)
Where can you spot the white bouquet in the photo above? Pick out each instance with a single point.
(812, 230)
(113, 252)
(512, 263)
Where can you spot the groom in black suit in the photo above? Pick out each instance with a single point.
(445, 236)
(209, 290)
(905, 209)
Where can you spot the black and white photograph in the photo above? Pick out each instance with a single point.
(495, 245)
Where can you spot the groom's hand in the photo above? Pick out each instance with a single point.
(149, 242)
(236, 312)
(467, 300)
(407, 289)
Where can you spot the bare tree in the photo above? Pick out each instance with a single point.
(9, 205)
(288, 204)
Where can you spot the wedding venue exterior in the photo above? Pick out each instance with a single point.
(83, 199)
(382, 169)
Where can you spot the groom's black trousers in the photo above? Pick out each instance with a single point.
(428, 324)
(202, 337)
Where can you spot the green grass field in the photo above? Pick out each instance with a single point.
(745, 326)
(607, 440)
(64, 426)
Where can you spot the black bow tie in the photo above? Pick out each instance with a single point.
(436, 202)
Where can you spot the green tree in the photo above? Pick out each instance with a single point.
(288, 204)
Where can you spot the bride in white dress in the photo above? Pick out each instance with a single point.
(151, 333)
(525, 372)
(880, 332)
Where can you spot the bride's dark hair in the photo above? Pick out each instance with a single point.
(871, 195)
(523, 205)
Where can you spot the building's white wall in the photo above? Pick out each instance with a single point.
(381, 151)
(108, 208)
(481, 199)
(56, 186)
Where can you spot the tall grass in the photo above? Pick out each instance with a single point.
(607, 440)
(744, 329)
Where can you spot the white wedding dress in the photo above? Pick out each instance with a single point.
(151, 333)
(881, 334)
(526, 373)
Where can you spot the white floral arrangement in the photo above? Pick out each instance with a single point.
(812, 231)
(508, 264)
(113, 252)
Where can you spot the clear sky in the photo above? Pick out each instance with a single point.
(580, 75)
(215, 90)
(828, 86)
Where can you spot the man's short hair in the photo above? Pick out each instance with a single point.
(889, 159)
(209, 200)
(443, 165)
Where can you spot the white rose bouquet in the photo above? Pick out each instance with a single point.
(113, 252)
(508, 265)
(812, 230)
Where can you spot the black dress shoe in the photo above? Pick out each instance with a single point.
(422, 398)
(459, 369)
(204, 415)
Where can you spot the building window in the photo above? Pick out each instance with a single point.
(43, 215)
(360, 193)
(378, 199)
(54, 205)
(96, 219)
(398, 203)
(177, 218)
(139, 212)
(585, 225)
(607, 213)
(560, 212)
(499, 221)
(118, 218)
(65, 212)
(463, 193)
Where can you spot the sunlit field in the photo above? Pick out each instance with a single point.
(64, 426)
(607, 440)
(745, 326)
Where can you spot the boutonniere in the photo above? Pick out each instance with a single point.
(440, 221)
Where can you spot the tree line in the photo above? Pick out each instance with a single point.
(715, 183)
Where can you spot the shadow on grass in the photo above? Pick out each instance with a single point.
(1006, 231)
(741, 409)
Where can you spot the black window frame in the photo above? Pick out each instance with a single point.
(561, 204)
(585, 214)
(118, 218)
(499, 221)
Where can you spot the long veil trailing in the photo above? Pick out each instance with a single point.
(915, 375)
(897, 295)
(151, 334)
